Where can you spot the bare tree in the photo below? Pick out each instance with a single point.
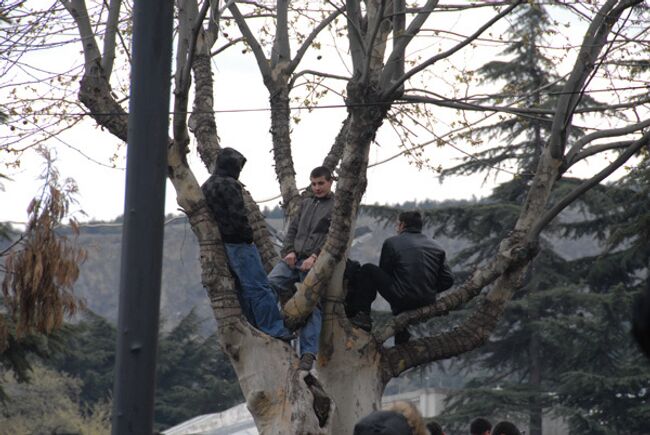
(354, 366)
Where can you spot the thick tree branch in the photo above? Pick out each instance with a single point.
(595, 149)
(460, 105)
(94, 90)
(399, 45)
(574, 152)
(281, 135)
(109, 37)
(550, 160)
(394, 62)
(92, 55)
(187, 19)
(336, 152)
(470, 334)
(211, 32)
(588, 184)
(395, 84)
(355, 37)
(281, 52)
(201, 122)
(522, 111)
(197, 27)
(378, 16)
(262, 61)
(593, 43)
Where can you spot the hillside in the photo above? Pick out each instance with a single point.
(98, 284)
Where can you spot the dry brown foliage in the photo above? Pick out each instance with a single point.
(42, 267)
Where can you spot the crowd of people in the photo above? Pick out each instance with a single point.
(412, 267)
(403, 418)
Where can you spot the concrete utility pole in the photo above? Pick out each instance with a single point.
(144, 213)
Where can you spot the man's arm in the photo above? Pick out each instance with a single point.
(387, 257)
(236, 210)
(287, 246)
(445, 276)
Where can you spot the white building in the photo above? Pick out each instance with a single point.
(238, 421)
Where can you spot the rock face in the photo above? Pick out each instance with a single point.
(98, 283)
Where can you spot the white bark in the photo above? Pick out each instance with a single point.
(353, 367)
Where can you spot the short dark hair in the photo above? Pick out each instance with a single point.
(434, 428)
(411, 219)
(479, 425)
(505, 428)
(321, 171)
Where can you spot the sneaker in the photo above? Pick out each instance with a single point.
(306, 361)
(362, 320)
(402, 337)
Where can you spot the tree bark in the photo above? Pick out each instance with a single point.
(281, 135)
(352, 365)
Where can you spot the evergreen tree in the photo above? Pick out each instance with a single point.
(89, 354)
(515, 372)
(604, 385)
(194, 376)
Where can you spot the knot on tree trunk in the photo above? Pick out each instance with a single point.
(517, 249)
(366, 103)
(322, 403)
(95, 93)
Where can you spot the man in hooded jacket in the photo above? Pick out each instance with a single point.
(223, 194)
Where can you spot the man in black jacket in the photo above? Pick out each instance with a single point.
(412, 270)
(223, 194)
(302, 245)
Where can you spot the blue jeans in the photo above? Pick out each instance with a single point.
(282, 278)
(255, 294)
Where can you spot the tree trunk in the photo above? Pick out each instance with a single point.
(352, 376)
(281, 134)
(534, 382)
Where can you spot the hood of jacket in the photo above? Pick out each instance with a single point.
(229, 163)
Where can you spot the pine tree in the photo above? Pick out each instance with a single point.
(514, 374)
(190, 368)
(194, 376)
(89, 354)
(564, 345)
(604, 386)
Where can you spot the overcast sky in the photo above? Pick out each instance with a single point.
(238, 86)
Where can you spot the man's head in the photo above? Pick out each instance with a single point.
(411, 220)
(480, 426)
(505, 428)
(321, 181)
(229, 163)
(412, 415)
(434, 428)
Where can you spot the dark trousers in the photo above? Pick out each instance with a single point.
(364, 286)
(366, 282)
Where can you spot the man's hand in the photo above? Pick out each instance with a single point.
(290, 259)
(308, 263)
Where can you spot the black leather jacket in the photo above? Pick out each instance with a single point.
(416, 265)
